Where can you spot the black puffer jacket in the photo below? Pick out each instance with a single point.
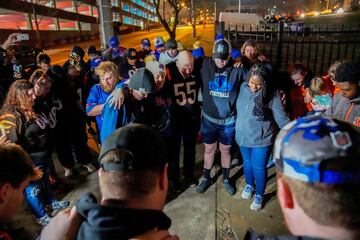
(32, 135)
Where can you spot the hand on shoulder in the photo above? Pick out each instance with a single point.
(64, 225)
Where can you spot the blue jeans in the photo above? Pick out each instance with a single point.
(38, 194)
(255, 160)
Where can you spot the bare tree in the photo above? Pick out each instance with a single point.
(194, 13)
(37, 21)
(176, 7)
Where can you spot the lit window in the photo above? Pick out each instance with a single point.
(126, 8)
(67, 25)
(46, 3)
(116, 16)
(85, 26)
(128, 20)
(84, 9)
(65, 5)
(95, 12)
(114, 3)
(45, 23)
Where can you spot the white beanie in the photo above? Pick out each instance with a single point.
(155, 67)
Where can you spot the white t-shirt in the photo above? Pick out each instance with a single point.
(165, 58)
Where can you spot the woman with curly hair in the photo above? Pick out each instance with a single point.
(22, 125)
(262, 113)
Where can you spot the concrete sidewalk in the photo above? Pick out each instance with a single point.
(194, 215)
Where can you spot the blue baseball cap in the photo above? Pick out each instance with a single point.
(199, 52)
(95, 62)
(219, 37)
(145, 42)
(159, 42)
(318, 149)
(114, 42)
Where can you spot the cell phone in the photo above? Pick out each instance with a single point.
(22, 37)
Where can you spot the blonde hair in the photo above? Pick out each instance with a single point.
(317, 86)
(251, 43)
(106, 67)
(17, 98)
(37, 74)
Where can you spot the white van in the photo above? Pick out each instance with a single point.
(243, 21)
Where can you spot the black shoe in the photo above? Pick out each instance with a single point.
(234, 162)
(205, 184)
(229, 189)
(191, 182)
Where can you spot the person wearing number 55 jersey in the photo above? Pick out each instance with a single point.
(184, 87)
(221, 82)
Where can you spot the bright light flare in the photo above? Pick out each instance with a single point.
(340, 11)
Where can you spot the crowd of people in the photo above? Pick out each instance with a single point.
(145, 104)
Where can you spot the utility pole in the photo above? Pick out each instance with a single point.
(239, 6)
(106, 25)
(215, 12)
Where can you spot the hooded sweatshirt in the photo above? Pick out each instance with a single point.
(251, 132)
(220, 88)
(345, 109)
(116, 222)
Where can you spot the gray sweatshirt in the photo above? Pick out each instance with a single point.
(251, 132)
(345, 109)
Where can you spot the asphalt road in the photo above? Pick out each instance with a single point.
(331, 19)
(184, 34)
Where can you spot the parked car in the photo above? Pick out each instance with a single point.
(326, 11)
(25, 55)
(312, 13)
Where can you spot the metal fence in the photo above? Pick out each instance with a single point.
(316, 46)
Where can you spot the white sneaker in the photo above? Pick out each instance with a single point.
(91, 168)
(68, 172)
(248, 192)
(257, 203)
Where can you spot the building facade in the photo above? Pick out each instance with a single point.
(50, 22)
